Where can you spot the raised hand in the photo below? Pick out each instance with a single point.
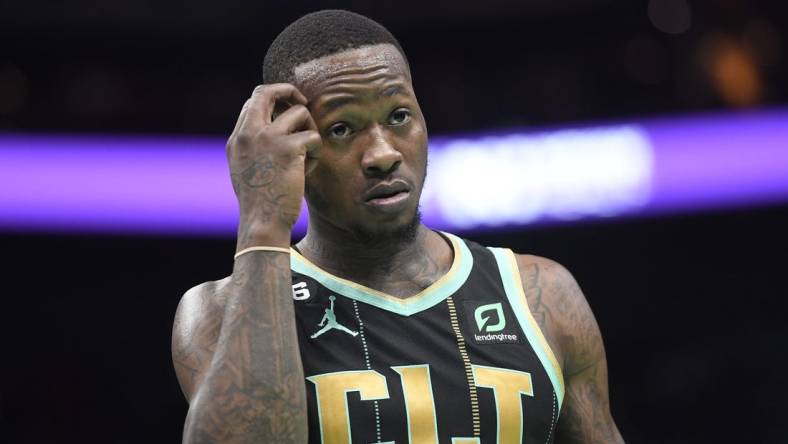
(269, 153)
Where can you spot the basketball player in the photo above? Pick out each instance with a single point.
(373, 328)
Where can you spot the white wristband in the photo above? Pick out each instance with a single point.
(262, 248)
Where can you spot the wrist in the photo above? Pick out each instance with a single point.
(254, 235)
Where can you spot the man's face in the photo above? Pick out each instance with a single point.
(374, 156)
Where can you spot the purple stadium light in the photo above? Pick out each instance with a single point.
(108, 184)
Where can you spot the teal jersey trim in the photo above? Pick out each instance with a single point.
(429, 297)
(514, 293)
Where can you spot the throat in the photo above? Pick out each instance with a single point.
(397, 269)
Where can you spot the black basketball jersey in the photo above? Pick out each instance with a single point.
(461, 362)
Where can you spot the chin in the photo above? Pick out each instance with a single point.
(401, 230)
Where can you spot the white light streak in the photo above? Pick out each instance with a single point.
(518, 179)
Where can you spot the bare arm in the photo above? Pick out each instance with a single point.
(241, 371)
(235, 347)
(563, 313)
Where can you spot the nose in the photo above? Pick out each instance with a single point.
(380, 157)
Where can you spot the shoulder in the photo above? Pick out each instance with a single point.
(565, 317)
(195, 331)
(559, 307)
(196, 304)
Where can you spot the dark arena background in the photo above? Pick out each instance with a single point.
(642, 144)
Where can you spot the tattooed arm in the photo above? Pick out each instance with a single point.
(235, 347)
(561, 310)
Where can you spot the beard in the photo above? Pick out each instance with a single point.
(401, 234)
(372, 237)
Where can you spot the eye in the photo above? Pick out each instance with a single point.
(339, 130)
(399, 116)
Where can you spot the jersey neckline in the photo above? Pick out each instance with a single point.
(438, 291)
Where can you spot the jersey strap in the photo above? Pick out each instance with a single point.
(512, 284)
(429, 297)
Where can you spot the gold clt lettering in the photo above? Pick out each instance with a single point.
(332, 389)
(508, 386)
(419, 404)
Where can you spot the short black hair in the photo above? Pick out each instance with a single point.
(319, 34)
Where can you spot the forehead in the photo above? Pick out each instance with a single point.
(359, 65)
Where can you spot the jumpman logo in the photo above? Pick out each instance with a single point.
(332, 321)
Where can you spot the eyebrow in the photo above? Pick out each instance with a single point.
(338, 102)
(391, 91)
(341, 101)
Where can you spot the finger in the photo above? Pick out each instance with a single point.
(310, 165)
(264, 98)
(238, 124)
(281, 92)
(311, 142)
(295, 118)
(241, 115)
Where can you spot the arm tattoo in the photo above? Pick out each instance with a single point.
(194, 339)
(586, 417)
(561, 310)
(254, 389)
(533, 294)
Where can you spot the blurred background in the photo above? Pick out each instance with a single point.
(681, 247)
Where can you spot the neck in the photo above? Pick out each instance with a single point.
(400, 267)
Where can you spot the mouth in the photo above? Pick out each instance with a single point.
(388, 197)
